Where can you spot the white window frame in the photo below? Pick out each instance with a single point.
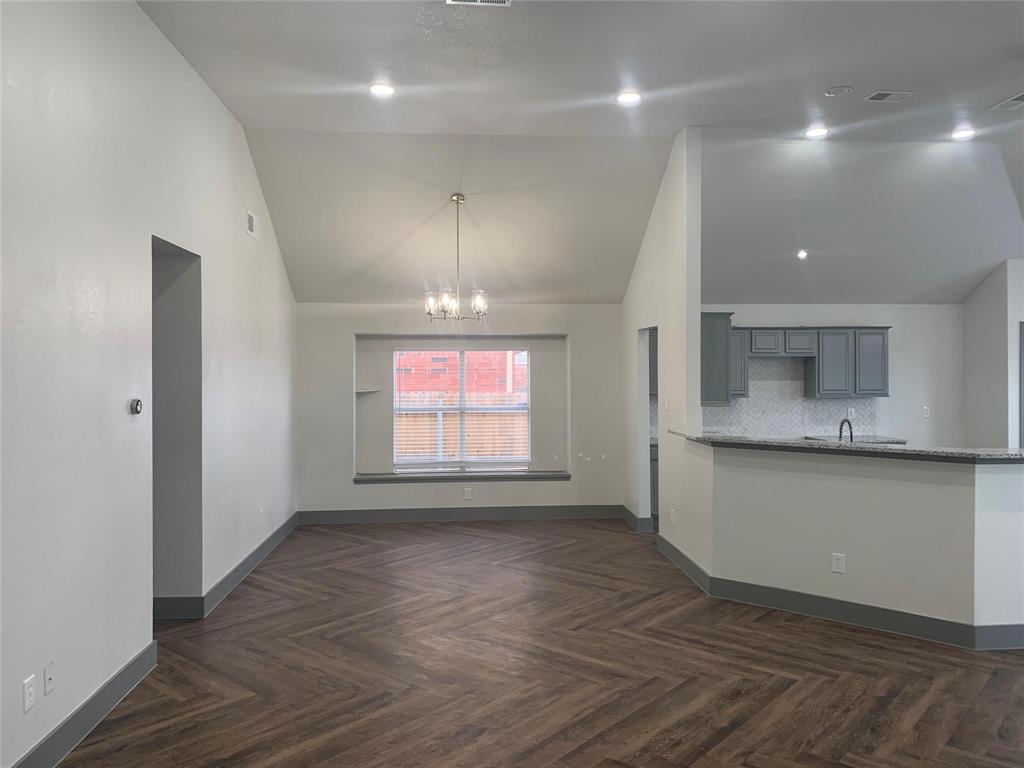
(504, 463)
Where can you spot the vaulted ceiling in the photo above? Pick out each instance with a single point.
(515, 107)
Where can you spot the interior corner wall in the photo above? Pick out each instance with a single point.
(664, 292)
(326, 411)
(110, 137)
(986, 361)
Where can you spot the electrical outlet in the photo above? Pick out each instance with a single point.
(838, 563)
(467, 493)
(49, 678)
(28, 693)
(851, 413)
(926, 412)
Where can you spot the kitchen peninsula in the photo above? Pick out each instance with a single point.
(922, 541)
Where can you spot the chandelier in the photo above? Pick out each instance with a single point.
(447, 304)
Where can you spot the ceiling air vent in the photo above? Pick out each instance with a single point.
(889, 97)
(1012, 103)
(497, 3)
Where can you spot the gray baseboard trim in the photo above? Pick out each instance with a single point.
(873, 617)
(999, 637)
(697, 575)
(66, 736)
(170, 608)
(637, 523)
(199, 607)
(462, 514)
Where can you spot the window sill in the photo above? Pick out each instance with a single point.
(369, 478)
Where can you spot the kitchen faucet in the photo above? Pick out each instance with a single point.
(848, 423)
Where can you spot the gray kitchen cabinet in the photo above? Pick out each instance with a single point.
(851, 362)
(830, 373)
(739, 371)
(765, 341)
(871, 374)
(654, 480)
(652, 360)
(715, 336)
(801, 342)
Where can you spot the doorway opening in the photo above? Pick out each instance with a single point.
(652, 406)
(646, 425)
(177, 423)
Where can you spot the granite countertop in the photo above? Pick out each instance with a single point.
(869, 439)
(800, 445)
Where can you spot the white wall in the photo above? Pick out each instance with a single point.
(986, 345)
(664, 291)
(906, 528)
(326, 339)
(110, 137)
(998, 539)
(926, 357)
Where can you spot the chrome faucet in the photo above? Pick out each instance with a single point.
(848, 423)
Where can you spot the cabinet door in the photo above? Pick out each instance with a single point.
(835, 362)
(872, 364)
(654, 487)
(652, 357)
(801, 343)
(715, 329)
(765, 342)
(739, 377)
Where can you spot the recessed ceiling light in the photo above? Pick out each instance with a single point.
(838, 90)
(816, 131)
(383, 90)
(963, 133)
(628, 98)
(801, 254)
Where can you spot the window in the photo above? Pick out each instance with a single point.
(462, 410)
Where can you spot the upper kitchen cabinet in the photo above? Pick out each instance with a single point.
(715, 352)
(765, 341)
(849, 363)
(871, 373)
(739, 370)
(652, 360)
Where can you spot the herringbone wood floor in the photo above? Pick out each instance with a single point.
(562, 644)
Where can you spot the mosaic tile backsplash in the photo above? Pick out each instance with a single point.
(777, 406)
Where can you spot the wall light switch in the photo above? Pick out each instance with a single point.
(49, 678)
(467, 493)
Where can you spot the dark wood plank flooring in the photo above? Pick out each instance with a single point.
(562, 644)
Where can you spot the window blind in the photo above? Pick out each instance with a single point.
(459, 410)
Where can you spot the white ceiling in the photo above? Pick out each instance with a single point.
(883, 222)
(515, 107)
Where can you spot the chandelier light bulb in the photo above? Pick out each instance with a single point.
(479, 303)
